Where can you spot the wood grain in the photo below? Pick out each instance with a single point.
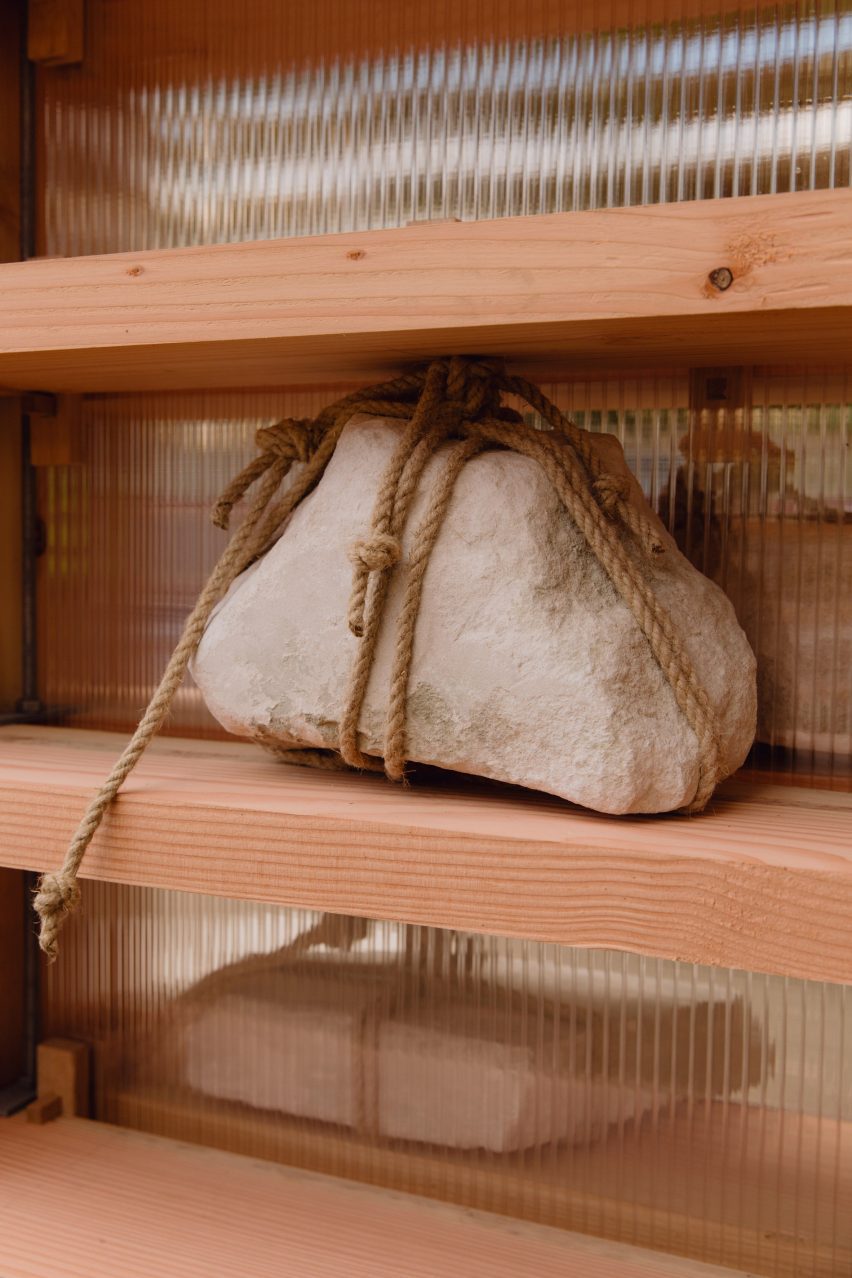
(761, 881)
(84, 1200)
(733, 1184)
(552, 293)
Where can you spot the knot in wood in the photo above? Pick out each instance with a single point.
(376, 553)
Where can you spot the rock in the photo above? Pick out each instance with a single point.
(287, 1042)
(331, 1043)
(527, 668)
(470, 1078)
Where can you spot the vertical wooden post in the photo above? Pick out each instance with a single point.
(13, 1002)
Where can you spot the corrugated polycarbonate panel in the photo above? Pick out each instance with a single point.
(760, 499)
(693, 1109)
(188, 124)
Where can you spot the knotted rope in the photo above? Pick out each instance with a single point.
(458, 401)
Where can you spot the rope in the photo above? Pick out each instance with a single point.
(456, 399)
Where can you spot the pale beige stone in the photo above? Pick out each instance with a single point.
(295, 1048)
(527, 667)
(467, 1078)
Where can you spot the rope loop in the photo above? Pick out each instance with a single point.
(454, 402)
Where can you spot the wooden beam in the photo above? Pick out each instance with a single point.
(762, 881)
(553, 294)
(210, 1212)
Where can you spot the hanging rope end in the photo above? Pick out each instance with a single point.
(57, 897)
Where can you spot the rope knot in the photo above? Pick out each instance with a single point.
(472, 390)
(610, 490)
(58, 896)
(290, 439)
(376, 553)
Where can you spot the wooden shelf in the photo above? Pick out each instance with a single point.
(761, 881)
(552, 293)
(84, 1200)
(720, 1180)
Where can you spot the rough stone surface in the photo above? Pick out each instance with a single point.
(527, 666)
(298, 1054)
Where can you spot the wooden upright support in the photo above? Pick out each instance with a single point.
(55, 32)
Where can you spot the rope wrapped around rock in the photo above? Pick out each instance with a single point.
(455, 401)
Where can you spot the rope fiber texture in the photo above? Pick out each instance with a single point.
(455, 400)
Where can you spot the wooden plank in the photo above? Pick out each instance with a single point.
(55, 30)
(720, 1181)
(613, 288)
(761, 881)
(147, 1206)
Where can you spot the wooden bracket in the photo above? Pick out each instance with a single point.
(55, 32)
(62, 1072)
(44, 1109)
(55, 429)
(716, 388)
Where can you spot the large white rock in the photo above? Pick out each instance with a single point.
(469, 1077)
(527, 665)
(291, 1043)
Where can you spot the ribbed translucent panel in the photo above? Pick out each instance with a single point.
(693, 1109)
(191, 123)
(760, 498)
